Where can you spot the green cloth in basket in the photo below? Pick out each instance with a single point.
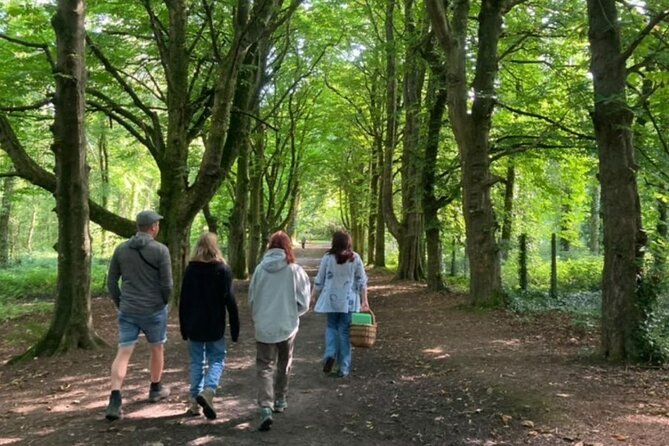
(361, 319)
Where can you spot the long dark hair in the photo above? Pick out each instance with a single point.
(342, 247)
(281, 240)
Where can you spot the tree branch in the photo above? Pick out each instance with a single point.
(644, 33)
(22, 108)
(42, 46)
(547, 119)
(29, 170)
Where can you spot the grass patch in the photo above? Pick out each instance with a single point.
(28, 332)
(29, 285)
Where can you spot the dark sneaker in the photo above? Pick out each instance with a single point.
(265, 419)
(280, 406)
(156, 395)
(329, 363)
(206, 400)
(193, 408)
(114, 411)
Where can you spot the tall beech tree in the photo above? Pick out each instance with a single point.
(471, 128)
(624, 309)
(407, 229)
(72, 323)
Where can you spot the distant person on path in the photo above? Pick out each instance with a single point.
(206, 294)
(278, 296)
(144, 267)
(340, 286)
(304, 242)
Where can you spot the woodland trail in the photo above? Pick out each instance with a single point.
(439, 374)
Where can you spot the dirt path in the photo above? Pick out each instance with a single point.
(439, 375)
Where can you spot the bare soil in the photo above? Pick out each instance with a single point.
(440, 373)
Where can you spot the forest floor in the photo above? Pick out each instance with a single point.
(440, 373)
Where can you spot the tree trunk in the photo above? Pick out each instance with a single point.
(411, 261)
(553, 288)
(391, 123)
(212, 221)
(103, 160)
(594, 220)
(255, 202)
(72, 324)
(237, 227)
(31, 229)
(662, 229)
(431, 204)
(622, 312)
(522, 262)
(471, 129)
(505, 238)
(5, 213)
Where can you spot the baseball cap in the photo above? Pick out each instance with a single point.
(147, 217)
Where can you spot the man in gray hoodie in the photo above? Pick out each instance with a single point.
(144, 268)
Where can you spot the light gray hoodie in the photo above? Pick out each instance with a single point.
(278, 295)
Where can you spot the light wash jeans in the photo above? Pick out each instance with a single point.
(338, 341)
(209, 355)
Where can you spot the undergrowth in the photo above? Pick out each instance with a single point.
(29, 285)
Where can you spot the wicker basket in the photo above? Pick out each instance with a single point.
(364, 336)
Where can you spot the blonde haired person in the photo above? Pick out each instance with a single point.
(206, 296)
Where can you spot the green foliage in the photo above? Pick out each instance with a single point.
(574, 274)
(35, 278)
(656, 329)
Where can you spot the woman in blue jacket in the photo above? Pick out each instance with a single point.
(206, 295)
(341, 289)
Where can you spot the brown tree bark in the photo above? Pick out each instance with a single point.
(623, 309)
(246, 98)
(5, 213)
(255, 220)
(471, 128)
(431, 203)
(71, 324)
(408, 229)
(507, 221)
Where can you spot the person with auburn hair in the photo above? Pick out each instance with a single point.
(340, 285)
(206, 296)
(278, 296)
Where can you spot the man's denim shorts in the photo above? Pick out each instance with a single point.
(154, 327)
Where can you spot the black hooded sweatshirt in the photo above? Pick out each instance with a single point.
(206, 294)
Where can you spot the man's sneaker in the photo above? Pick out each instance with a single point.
(158, 394)
(193, 408)
(114, 411)
(265, 419)
(206, 400)
(280, 405)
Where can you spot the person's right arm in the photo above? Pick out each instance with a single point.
(165, 270)
(113, 276)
